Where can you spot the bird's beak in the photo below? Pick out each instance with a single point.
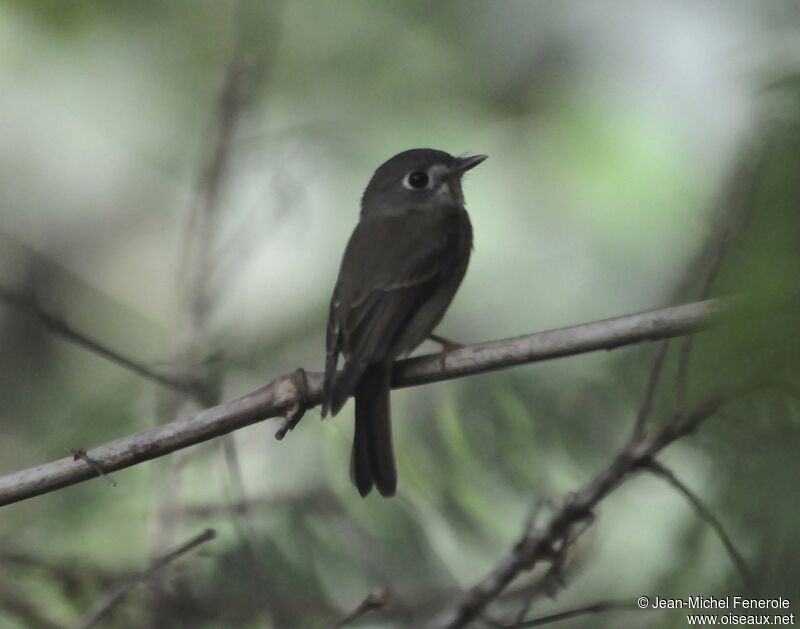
(463, 164)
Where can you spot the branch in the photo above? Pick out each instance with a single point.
(552, 541)
(706, 514)
(57, 325)
(718, 250)
(652, 325)
(199, 300)
(594, 608)
(650, 390)
(283, 395)
(373, 601)
(114, 595)
(547, 543)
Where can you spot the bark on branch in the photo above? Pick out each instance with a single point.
(289, 394)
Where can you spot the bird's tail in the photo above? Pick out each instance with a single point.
(372, 459)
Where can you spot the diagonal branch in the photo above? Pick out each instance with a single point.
(650, 390)
(283, 395)
(706, 514)
(113, 596)
(375, 600)
(718, 249)
(653, 325)
(595, 608)
(57, 325)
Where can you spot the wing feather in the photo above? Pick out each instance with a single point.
(391, 266)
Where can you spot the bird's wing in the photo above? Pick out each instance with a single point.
(390, 268)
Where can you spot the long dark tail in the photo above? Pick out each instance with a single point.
(372, 460)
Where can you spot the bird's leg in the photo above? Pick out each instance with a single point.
(447, 346)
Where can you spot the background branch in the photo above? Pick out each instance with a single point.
(111, 598)
(372, 602)
(662, 471)
(587, 610)
(57, 325)
(653, 379)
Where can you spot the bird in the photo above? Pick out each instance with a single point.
(400, 270)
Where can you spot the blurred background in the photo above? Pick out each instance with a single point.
(178, 181)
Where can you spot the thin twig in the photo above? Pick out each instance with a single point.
(280, 395)
(539, 506)
(113, 596)
(56, 324)
(718, 251)
(650, 390)
(199, 262)
(530, 523)
(374, 601)
(81, 454)
(595, 608)
(706, 514)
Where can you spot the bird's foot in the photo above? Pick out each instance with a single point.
(447, 347)
(298, 408)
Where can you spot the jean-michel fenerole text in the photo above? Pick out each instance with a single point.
(719, 602)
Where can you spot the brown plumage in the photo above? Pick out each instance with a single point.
(400, 271)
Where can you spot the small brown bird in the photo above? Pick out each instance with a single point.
(400, 271)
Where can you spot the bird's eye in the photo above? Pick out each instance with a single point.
(416, 180)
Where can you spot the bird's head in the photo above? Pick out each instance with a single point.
(417, 179)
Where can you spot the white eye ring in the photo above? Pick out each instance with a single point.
(417, 180)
